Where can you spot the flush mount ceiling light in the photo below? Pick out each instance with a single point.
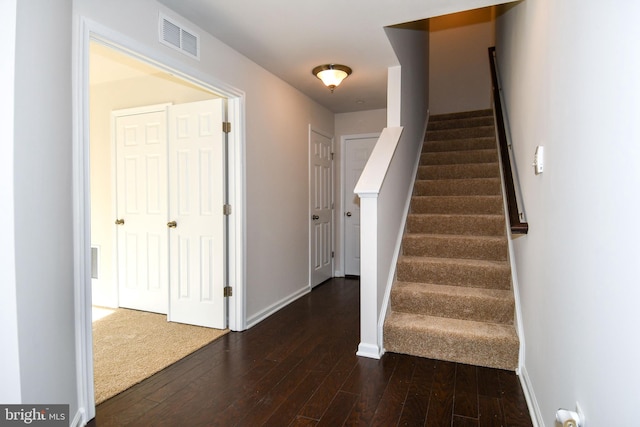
(331, 74)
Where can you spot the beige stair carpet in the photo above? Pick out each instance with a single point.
(453, 298)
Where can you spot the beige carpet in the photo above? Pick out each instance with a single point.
(130, 346)
(452, 299)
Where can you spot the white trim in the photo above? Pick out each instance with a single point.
(276, 306)
(370, 351)
(530, 397)
(86, 30)
(82, 225)
(343, 193)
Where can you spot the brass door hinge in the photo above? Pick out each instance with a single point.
(226, 209)
(228, 291)
(226, 127)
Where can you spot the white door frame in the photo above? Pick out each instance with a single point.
(344, 139)
(86, 31)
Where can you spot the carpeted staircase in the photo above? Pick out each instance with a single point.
(452, 299)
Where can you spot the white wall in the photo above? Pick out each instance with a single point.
(105, 98)
(354, 123)
(276, 137)
(459, 76)
(43, 206)
(412, 48)
(571, 81)
(9, 356)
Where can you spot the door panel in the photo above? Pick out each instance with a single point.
(357, 152)
(321, 207)
(196, 188)
(141, 189)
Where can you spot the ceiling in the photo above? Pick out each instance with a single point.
(290, 37)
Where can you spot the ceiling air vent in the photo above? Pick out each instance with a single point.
(178, 37)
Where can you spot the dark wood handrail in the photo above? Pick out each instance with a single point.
(517, 226)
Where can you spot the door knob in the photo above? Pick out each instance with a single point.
(315, 217)
(348, 214)
(172, 224)
(119, 221)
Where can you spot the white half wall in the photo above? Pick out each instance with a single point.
(570, 74)
(386, 182)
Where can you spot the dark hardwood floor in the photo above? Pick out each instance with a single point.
(299, 368)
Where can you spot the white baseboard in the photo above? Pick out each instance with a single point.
(78, 419)
(370, 351)
(529, 395)
(260, 316)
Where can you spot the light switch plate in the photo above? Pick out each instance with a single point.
(538, 160)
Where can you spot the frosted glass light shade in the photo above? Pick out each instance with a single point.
(331, 74)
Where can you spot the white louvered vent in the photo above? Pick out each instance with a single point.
(178, 37)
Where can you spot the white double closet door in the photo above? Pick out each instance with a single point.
(170, 188)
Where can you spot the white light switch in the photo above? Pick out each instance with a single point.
(538, 160)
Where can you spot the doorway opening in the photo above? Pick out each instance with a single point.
(145, 123)
(356, 150)
(88, 267)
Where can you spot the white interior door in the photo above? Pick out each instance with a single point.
(357, 152)
(196, 188)
(321, 208)
(141, 207)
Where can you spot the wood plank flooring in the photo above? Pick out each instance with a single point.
(299, 368)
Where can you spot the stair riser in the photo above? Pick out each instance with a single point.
(454, 274)
(474, 132)
(443, 247)
(461, 123)
(459, 225)
(483, 170)
(458, 187)
(487, 143)
(459, 157)
(457, 205)
(500, 354)
(453, 306)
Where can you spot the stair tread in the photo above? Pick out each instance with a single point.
(450, 326)
(483, 150)
(453, 261)
(435, 288)
(456, 215)
(456, 237)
